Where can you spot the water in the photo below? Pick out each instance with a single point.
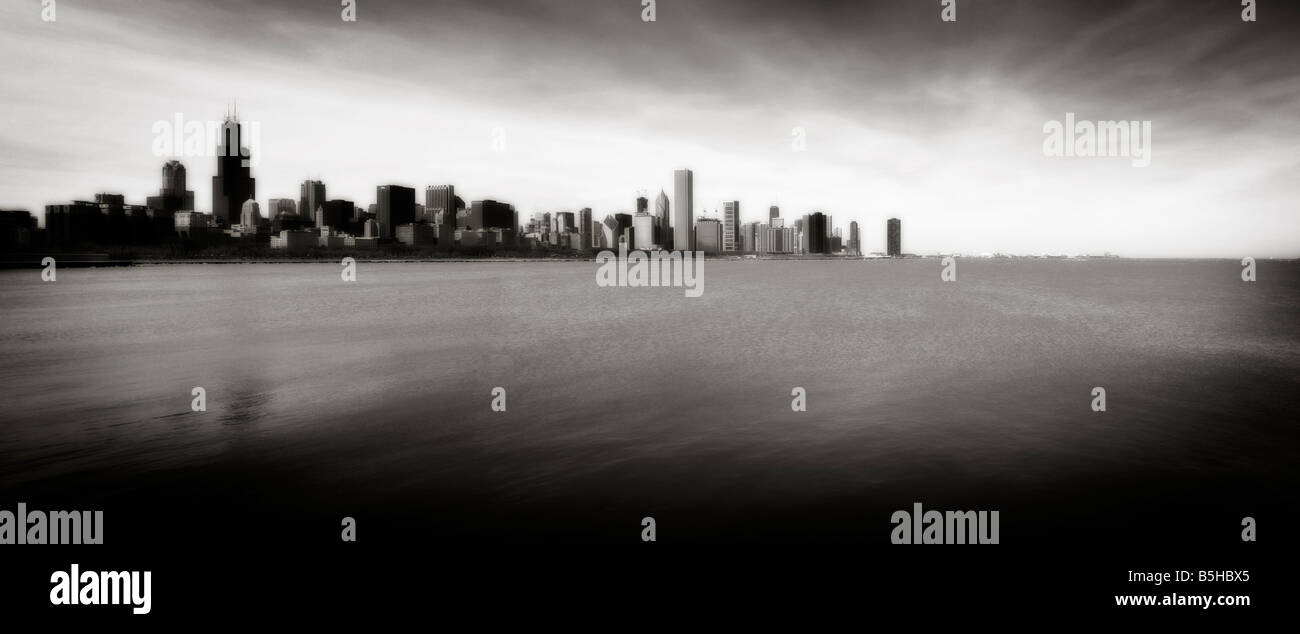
(371, 399)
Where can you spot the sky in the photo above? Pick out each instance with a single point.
(862, 110)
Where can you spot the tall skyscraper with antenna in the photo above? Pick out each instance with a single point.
(234, 183)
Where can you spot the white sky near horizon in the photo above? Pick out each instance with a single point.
(939, 124)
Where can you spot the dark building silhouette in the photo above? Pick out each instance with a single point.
(17, 229)
(311, 195)
(814, 233)
(396, 207)
(642, 204)
(234, 182)
(855, 242)
(108, 220)
(78, 222)
(773, 213)
(336, 213)
(173, 197)
(489, 214)
(894, 237)
(623, 229)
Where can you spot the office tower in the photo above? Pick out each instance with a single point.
(684, 214)
(894, 237)
(584, 227)
(773, 213)
(277, 206)
(749, 237)
(250, 214)
(855, 244)
(609, 232)
(396, 207)
(708, 236)
(310, 197)
(663, 222)
(564, 222)
(643, 229)
(173, 196)
(731, 224)
(335, 213)
(814, 233)
(489, 214)
(233, 182)
(623, 228)
(440, 204)
(642, 204)
(283, 213)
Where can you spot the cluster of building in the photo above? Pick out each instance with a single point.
(314, 220)
(673, 226)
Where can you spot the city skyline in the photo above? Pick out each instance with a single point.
(951, 143)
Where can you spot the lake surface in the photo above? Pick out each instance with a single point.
(372, 399)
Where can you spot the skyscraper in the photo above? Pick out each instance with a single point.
(584, 227)
(731, 225)
(233, 182)
(895, 237)
(173, 197)
(708, 236)
(440, 204)
(664, 221)
(564, 222)
(855, 244)
(814, 233)
(643, 230)
(490, 214)
(773, 213)
(335, 213)
(250, 214)
(396, 207)
(277, 206)
(684, 214)
(642, 204)
(310, 197)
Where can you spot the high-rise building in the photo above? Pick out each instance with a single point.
(749, 237)
(250, 214)
(396, 207)
(609, 232)
(855, 243)
(584, 227)
(623, 229)
(564, 222)
(643, 230)
(731, 224)
(708, 236)
(773, 213)
(277, 206)
(233, 182)
(894, 237)
(489, 214)
(440, 204)
(684, 212)
(642, 204)
(663, 222)
(173, 196)
(335, 213)
(310, 197)
(814, 238)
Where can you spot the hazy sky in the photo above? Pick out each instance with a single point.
(937, 123)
